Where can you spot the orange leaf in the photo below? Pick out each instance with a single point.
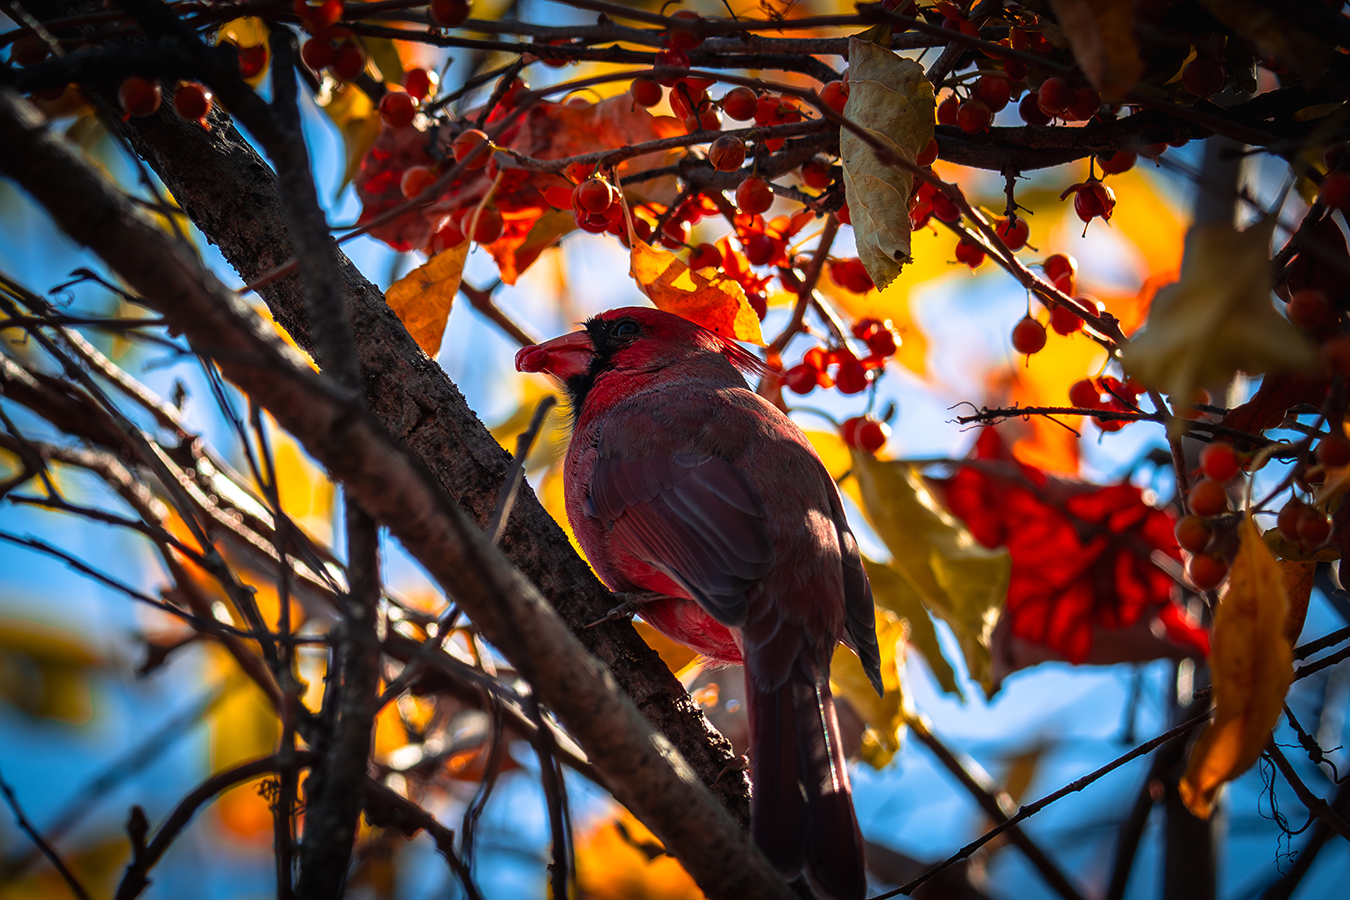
(620, 860)
(1252, 664)
(1298, 583)
(718, 304)
(422, 298)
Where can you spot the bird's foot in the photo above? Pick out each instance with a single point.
(630, 603)
(739, 764)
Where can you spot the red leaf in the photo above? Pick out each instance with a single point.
(1080, 553)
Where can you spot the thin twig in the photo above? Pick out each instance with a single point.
(511, 486)
(1316, 805)
(74, 883)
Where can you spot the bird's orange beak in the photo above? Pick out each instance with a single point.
(563, 357)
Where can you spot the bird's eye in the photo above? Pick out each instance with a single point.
(627, 328)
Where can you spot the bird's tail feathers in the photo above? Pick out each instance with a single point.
(801, 808)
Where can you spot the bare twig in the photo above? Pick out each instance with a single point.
(27, 827)
(1316, 805)
(513, 478)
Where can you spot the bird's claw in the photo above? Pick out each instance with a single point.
(632, 602)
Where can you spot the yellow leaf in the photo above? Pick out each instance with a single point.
(718, 304)
(422, 298)
(1218, 319)
(1101, 33)
(957, 578)
(892, 100)
(882, 715)
(1252, 665)
(45, 671)
(619, 859)
(833, 452)
(892, 592)
(357, 120)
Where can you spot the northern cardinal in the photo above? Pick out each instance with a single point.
(681, 482)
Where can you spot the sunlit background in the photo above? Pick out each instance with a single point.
(83, 736)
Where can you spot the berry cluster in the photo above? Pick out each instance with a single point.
(1109, 394)
(140, 97)
(329, 46)
(840, 367)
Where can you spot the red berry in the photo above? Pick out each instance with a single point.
(1064, 321)
(1029, 109)
(449, 236)
(705, 255)
(1333, 451)
(739, 103)
(852, 275)
(1084, 105)
(252, 60)
(674, 234)
(1120, 161)
(1014, 232)
(578, 172)
(843, 215)
(1015, 69)
(727, 153)
(1291, 515)
(1219, 461)
(139, 96)
(1202, 77)
(1093, 200)
(1336, 191)
(1192, 533)
(416, 179)
(1313, 528)
(683, 34)
(929, 154)
(801, 379)
(754, 196)
(816, 173)
(464, 145)
(349, 61)
(449, 13)
(671, 58)
(317, 53)
(1028, 336)
(1152, 151)
(1057, 265)
(489, 225)
(835, 95)
(192, 101)
(945, 209)
(645, 91)
(420, 83)
(865, 433)
(28, 50)
(1084, 394)
(398, 109)
(970, 253)
(994, 90)
(851, 378)
(1205, 571)
(946, 111)
(974, 116)
(1310, 310)
(318, 17)
(594, 195)
(1334, 155)
(1335, 355)
(1054, 96)
(759, 249)
(1207, 498)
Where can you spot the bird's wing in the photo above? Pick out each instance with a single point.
(693, 518)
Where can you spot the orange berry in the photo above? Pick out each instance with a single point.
(1192, 533)
(1208, 498)
(1206, 572)
(1219, 461)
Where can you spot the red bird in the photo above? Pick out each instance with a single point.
(681, 482)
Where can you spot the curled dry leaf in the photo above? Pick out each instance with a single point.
(890, 591)
(1252, 664)
(1102, 35)
(1218, 319)
(957, 579)
(883, 714)
(422, 298)
(718, 304)
(889, 97)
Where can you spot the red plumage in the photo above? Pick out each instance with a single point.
(682, 482)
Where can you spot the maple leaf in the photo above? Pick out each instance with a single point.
(718, 304)
(890, 98)
(422, 298)
(1081, 555)
(1252, 666)
(1218, 319)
